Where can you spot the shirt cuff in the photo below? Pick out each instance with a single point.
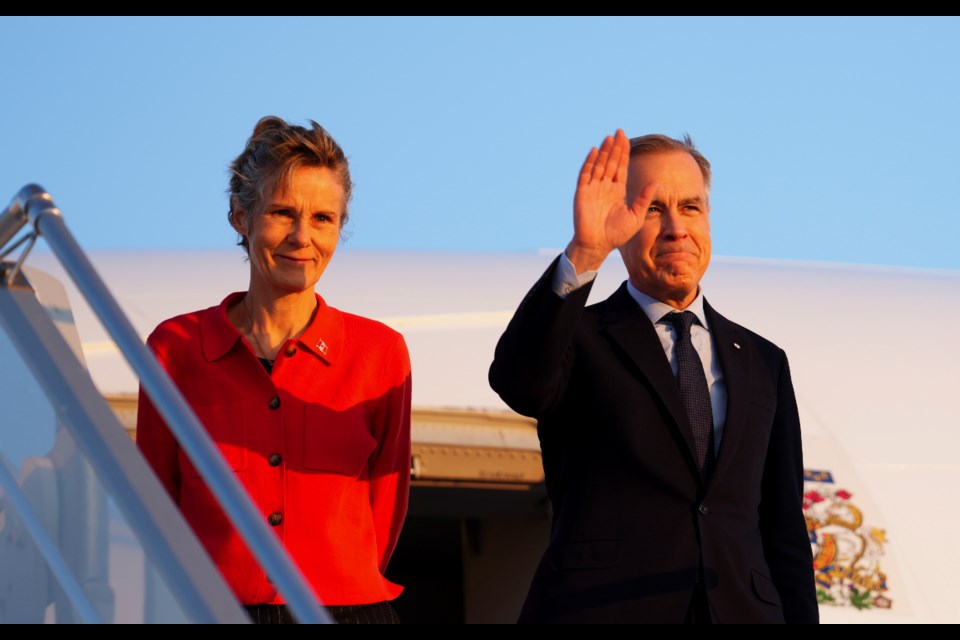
(565, 278)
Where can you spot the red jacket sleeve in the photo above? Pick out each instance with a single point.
(390, 463)
(154, 439)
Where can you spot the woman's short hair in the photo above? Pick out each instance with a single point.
(658, 143)
(274, 151)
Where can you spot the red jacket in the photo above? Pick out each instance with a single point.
(322, 445)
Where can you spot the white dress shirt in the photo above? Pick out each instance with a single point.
(566, 280)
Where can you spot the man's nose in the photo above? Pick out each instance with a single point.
(673, 225)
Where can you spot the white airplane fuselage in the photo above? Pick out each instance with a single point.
(873, 358)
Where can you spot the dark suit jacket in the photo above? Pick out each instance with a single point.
(632, 517)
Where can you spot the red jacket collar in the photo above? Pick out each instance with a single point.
(323, 337)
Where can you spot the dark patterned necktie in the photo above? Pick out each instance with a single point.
(693, 388)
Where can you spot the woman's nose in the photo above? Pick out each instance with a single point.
(300, 232)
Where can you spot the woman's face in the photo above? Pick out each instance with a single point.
(294, 236)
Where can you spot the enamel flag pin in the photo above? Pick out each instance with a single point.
(322, 347)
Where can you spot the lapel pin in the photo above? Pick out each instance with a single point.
(736, 345)
(322, 347)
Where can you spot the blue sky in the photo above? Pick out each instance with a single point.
(832, 139)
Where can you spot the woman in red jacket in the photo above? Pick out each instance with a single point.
(309, 405)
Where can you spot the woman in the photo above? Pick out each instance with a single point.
(309, 405)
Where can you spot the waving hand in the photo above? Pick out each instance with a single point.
(602, 218)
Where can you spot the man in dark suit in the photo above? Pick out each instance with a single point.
(670, 435)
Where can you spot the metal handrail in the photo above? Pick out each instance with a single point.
(47, 547)
(33, 205)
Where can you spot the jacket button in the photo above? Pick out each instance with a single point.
(274, 402)
(275, 459)
(703, 510)
(275, 519)
(291, 351)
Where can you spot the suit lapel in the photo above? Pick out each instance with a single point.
(735, 353)
(631, 329)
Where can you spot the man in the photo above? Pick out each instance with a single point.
(671, 440)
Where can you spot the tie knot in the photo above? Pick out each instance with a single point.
(681, 321)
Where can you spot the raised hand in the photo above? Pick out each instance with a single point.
(602, 218)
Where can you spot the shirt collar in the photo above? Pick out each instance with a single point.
(323, 337)
(655, 309)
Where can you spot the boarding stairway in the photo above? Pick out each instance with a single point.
(87, 533)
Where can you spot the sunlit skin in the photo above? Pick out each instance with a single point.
(670, 253)
(654, 208)
(292, 240)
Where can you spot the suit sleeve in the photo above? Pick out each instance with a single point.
(390, 466)
(785, 539)
(534, 357)
(154, 439)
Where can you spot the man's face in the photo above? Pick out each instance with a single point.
(668, 256)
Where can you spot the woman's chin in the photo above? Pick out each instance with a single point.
(290, 287)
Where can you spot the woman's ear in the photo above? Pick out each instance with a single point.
(238, 220)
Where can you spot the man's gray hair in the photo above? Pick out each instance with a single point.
(658, 143)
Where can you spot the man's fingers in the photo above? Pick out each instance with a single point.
(643, 200)
(612, 159)
(600, 167)
(587, 169)
(622, 151)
